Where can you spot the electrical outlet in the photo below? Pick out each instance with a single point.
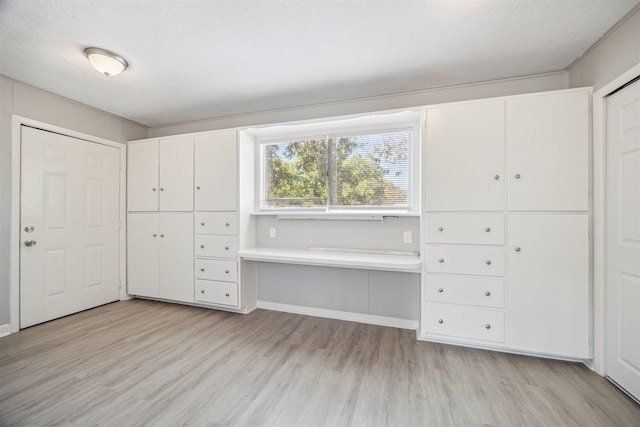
(272, 232)
(407, 237)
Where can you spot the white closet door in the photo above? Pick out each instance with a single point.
(623, 239)
(142, 176)
(216, 171)
(143, 242)
(176, 256)
(548, 284)
(464, 157)
(176, 174)
(548, 152)
(70, 200)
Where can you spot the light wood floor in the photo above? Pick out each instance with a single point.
(149, 363)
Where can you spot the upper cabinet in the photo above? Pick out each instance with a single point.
(216, 171)
(464, 157)
(548, 152)
(160, 175)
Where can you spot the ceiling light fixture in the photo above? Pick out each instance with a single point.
(108, 63)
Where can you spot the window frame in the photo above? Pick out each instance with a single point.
(333, 129)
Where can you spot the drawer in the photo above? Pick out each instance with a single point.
(465, 259)
(216, 223)
(487, 229)
(213, 269)
(465, 322)
(487, 292)
(216, 246)
(212, 292)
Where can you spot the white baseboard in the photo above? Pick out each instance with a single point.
(371, 319)
(5, 330)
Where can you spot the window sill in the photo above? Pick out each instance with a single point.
(345, 216)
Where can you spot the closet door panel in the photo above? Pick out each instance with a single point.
(548, 152)
(176, 256)
(464, 157)
(142, 176)
(176, 174)
(143, 238)
(216, 172)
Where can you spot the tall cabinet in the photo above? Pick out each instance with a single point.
(185, 222)
(506, 256)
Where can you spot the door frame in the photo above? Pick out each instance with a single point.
(16, 202)
(598, 363)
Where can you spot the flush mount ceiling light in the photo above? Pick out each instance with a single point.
(108, 63)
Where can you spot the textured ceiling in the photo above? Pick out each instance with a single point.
(191, 60)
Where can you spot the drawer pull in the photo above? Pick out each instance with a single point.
(153, 189)
(202, 269)
(202, 291)
(226, 224)
(202, 224)
(440, 228)
(226, 248)
(517, 176)
(496, 177)
(517, 249)
(226, 271)
(154, 235)
(488, 229)
(441, 260)
(201, 246)
(197, 188)
(487, 326)
(440, 321)
(227, 294)
(488, 293)
(440, 290)
(162, 235)
(488, 262)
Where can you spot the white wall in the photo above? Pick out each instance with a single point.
(32, 103)
(614, 54)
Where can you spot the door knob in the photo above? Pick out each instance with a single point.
(29, 242)
(29, 228)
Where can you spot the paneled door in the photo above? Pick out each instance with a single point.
(623, 239)
(69, 254)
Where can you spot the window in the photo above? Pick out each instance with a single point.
(340, 171)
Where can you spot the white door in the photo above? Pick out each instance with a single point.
(548, 152)
(69, 254)
(143, 243)
(548, 284)
(176, 174)
(176, 256)
(464, 157)
(142, 176)
(623, 239)
(216, 175)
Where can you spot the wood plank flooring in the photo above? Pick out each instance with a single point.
(149, 363)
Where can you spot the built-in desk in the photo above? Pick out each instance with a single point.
(367, 260)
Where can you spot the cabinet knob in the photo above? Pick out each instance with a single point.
(496, 177)
(227, 294)
(487, 326)
(202, 291)
(226, 224)
(440, 228)
(440, 321)
(517, 249)
(197, 188)
(226, 248)
(155, 235)
(202, 269)
(488, 229)
(201, 246)
(202, 224)
(488, 262)
(440, 290)
(488, 293)
(517, 176)
(441, 260)
(161, 189)
(162, 235)
(153, 189)
(226, 271)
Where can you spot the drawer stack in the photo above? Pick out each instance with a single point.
(464, 276)
(216, 264)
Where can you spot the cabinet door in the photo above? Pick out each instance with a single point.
(143, 238)
(216, 171)
(548, 152)
(176, 256)
(464, 157)
(142, 176)
(176, 174)
(548, 284)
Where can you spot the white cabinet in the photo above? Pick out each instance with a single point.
(160, 255)
(548, 297)
(548, 152)
(160, 175)
(464, 157)
(216, 171)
